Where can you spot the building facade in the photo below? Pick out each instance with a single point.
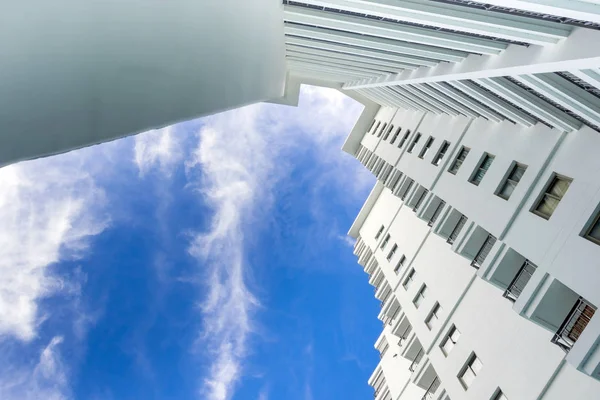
(482, 240)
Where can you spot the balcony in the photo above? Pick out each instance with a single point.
(483, 251)
(420, 199)
(457, 228)
(516, 286)
(574, 324)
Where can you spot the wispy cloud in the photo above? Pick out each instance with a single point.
(48, 210)
(238, 162)
(159, 148)
(46, 379)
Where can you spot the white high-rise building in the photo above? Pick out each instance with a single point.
(481, 122)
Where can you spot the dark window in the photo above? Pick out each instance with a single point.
(382, 129)
(379, 232)
(404, 139)
(441, 153)
(552, 196)
(460, 158)
(513, 178)
(395, 135)
(387, 133)
(481, 170)
(593, 232)
(427, 146)
(414, 142)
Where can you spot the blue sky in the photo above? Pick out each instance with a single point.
(206, 260)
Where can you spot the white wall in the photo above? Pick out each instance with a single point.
(75, 73)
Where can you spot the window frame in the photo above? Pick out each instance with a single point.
(420, 294)
(385, 241)
(392, 252)
(469, 366)
(448, 337)
(499, 395)
(404, 139)
(400, 264)
(439, 156)
(376, 127)
(396, 134)
(456, 159)
(507, 178)
(387, 132)
(426, 147)
(382, 129)
(595, 221)
(480, 165)
(408, 281)
(540, 198)
(413, 143)
(435, 310)
(380, 232)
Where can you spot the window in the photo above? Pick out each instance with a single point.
(481, 170)
(427, 146)
(392, 252)
(404, 139)
(409, 279)
(462, 154)
(420, 296)
(371, 126)
(593, 232)
(396, 135)
(408, 187)
(552, 195)
(470, 371)
(385, 348)
(450, 340)
(400, 264)
(513, 178)
(414, 142)
(499, 395)
(385, 241)
(382, 129)
(433, 316)
(441, 153)
(387, 133)
(379, 232)
(376, 127)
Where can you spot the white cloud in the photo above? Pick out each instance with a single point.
(47, 379)
(238, 162)
(158, 148)
(48, 210)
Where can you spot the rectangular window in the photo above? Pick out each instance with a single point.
(552, 196)
(385, 241)
(379, 232)
(420, 296)
(427, 146)
(450, 340)
(462, 154)
(392, 252)
(408, 187)
(382, 129)
(433, 316)
(387, 133)
(481, 170)
(371, 126)
(414, 142)
(400, 264)
(499, 395)
(376, 127)
(396, 135)
(409, 279)
(441, 153)
(593, 232)
(470, 371)
(404, 139)
(513, 178)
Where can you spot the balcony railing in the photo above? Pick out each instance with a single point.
(404, 335)
(420, 200)
(416, 361)
(483, 251)
(573, 326)
(520, 280)
(435, 384)
(436, 213)
(457, 228)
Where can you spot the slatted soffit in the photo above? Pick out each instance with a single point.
(525, 61)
